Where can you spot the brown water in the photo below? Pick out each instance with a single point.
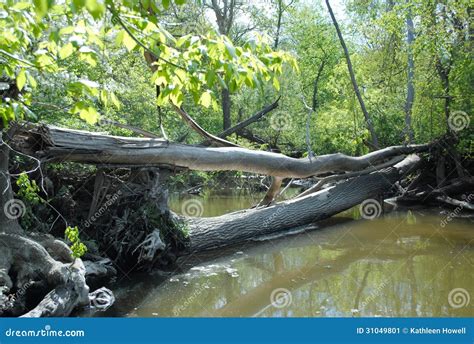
(402, 264)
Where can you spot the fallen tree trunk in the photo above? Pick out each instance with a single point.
(58, 144)
(234, 228)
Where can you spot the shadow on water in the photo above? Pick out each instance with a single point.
(402, 264)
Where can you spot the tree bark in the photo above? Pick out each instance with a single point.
(226, 105)
(238, 227)
(58, 144)
(410, 76)
(368, 118)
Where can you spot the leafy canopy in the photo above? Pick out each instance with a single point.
(39, 37)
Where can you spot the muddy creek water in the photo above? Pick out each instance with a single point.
(401, 264)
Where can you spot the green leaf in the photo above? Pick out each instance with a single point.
(66, 51)
(230, 50)
(90, 115)
(21, 79)
(31, 80)
(129, 42)
(41, 7)
(115, 100)
(205, 99)
(276, 83)
(95, 8)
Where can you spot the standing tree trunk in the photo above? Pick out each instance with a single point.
(411, 72)
(225, 19)
(226, 105)
(278, 28)
(281, 8)
(368, 119)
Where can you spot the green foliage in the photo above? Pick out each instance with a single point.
(28, 189)
(73, 63)
(43, 38)
(77, 247)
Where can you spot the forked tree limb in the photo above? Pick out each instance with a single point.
(254, 118)
(217, 141)
(272, 192)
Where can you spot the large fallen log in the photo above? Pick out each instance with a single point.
(58, 144)
(234, 228)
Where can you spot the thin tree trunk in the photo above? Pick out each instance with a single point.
(226, 105)
(368, 119)
(411, 72)
(278, 28)
(8, 224)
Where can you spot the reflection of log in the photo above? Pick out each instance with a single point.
(208, 233)
(257, 299)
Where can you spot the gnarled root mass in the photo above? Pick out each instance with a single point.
(29, 272)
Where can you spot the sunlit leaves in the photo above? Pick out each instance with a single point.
(128, 41)
(66, 51)
(21, 79)
(189, 65)
(205, 99)
(86, 112)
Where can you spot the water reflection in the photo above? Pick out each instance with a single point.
(392, 266)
